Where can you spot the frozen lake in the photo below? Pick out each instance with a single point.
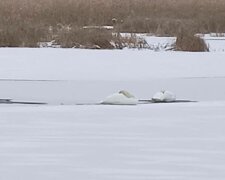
(75, 92)
(157, 141)
(150, 142)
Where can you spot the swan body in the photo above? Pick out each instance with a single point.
(164, 96)
(121, 98)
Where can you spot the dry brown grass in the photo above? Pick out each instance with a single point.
(188, 41)
(80, 38)
(25, 22)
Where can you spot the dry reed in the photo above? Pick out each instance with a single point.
(25, 22)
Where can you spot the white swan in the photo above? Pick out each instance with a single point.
(164, 96)
(121, 98)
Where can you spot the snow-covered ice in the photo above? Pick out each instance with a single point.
(178, 141)
(166, 141)
(75, 76)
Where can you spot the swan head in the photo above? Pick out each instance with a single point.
(126, 93)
